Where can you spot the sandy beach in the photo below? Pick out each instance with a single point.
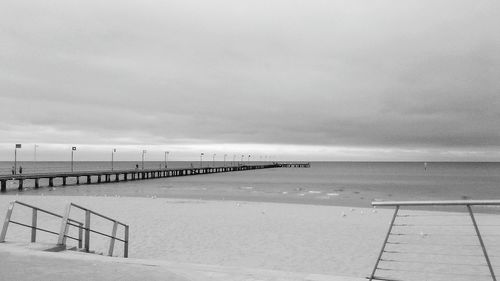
(292, 238)
(287, 237)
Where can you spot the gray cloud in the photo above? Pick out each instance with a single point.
(330, 73)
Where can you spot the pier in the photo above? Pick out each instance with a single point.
(108, 176)
(294, 165)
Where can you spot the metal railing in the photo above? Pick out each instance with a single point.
(399, 224)
(66, 222)
(34, 223)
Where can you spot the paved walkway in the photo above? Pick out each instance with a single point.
(27, 262)
(27, 265)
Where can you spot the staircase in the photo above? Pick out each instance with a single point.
(84, 228)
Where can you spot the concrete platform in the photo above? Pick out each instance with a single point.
(29, 262)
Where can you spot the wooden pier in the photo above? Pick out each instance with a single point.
(294, 165)
(90, 177)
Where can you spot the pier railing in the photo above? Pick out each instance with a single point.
(67, 221)
(34, 223)
(107, 176)
(294, 165)
(454, 248)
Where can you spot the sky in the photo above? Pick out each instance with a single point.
(362, 80)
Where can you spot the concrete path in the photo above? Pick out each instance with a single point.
(27, 262)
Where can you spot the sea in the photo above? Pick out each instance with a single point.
(324, 183)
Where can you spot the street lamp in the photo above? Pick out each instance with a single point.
(166, 158)
(248, 161)
(112, 158)
(72, 150)
(213, 160)
(225, 160)
(18, 145)
(241, 159)
(143, 152)
(34, 159)
(201, 159)
(234, 158)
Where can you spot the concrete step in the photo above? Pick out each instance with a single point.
(95, 267)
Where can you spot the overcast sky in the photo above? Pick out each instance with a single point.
(306, 80)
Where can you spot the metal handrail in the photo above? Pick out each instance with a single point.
(34, 220)
(465, 203)
(437, 203)
(66, 221)
(97, 214)
(44, 211)
(97, 232)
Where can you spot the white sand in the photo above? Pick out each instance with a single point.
(338, 241)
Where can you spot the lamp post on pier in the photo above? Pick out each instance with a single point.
(234, 158)
(18, 145)
(248, 161)
(34, 159)
(225, 155)
(143, 152)
(201, 159)
(72, 150)
(112, 158)
(241, 159)
(166, 158)
(213, 160)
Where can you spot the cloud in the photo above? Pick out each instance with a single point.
(359, 75)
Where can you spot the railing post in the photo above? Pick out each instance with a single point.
(125, 245)
(482, 243)
(3, 184)
(33, 225)
(6, 222)
(64, 227)
(385, 242)
(112, 242)
(87, 230)
(80, 235)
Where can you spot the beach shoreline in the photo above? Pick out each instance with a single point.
(298, 238)
(354, 184)
(276, 236)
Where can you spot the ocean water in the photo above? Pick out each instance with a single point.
(325, 183)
